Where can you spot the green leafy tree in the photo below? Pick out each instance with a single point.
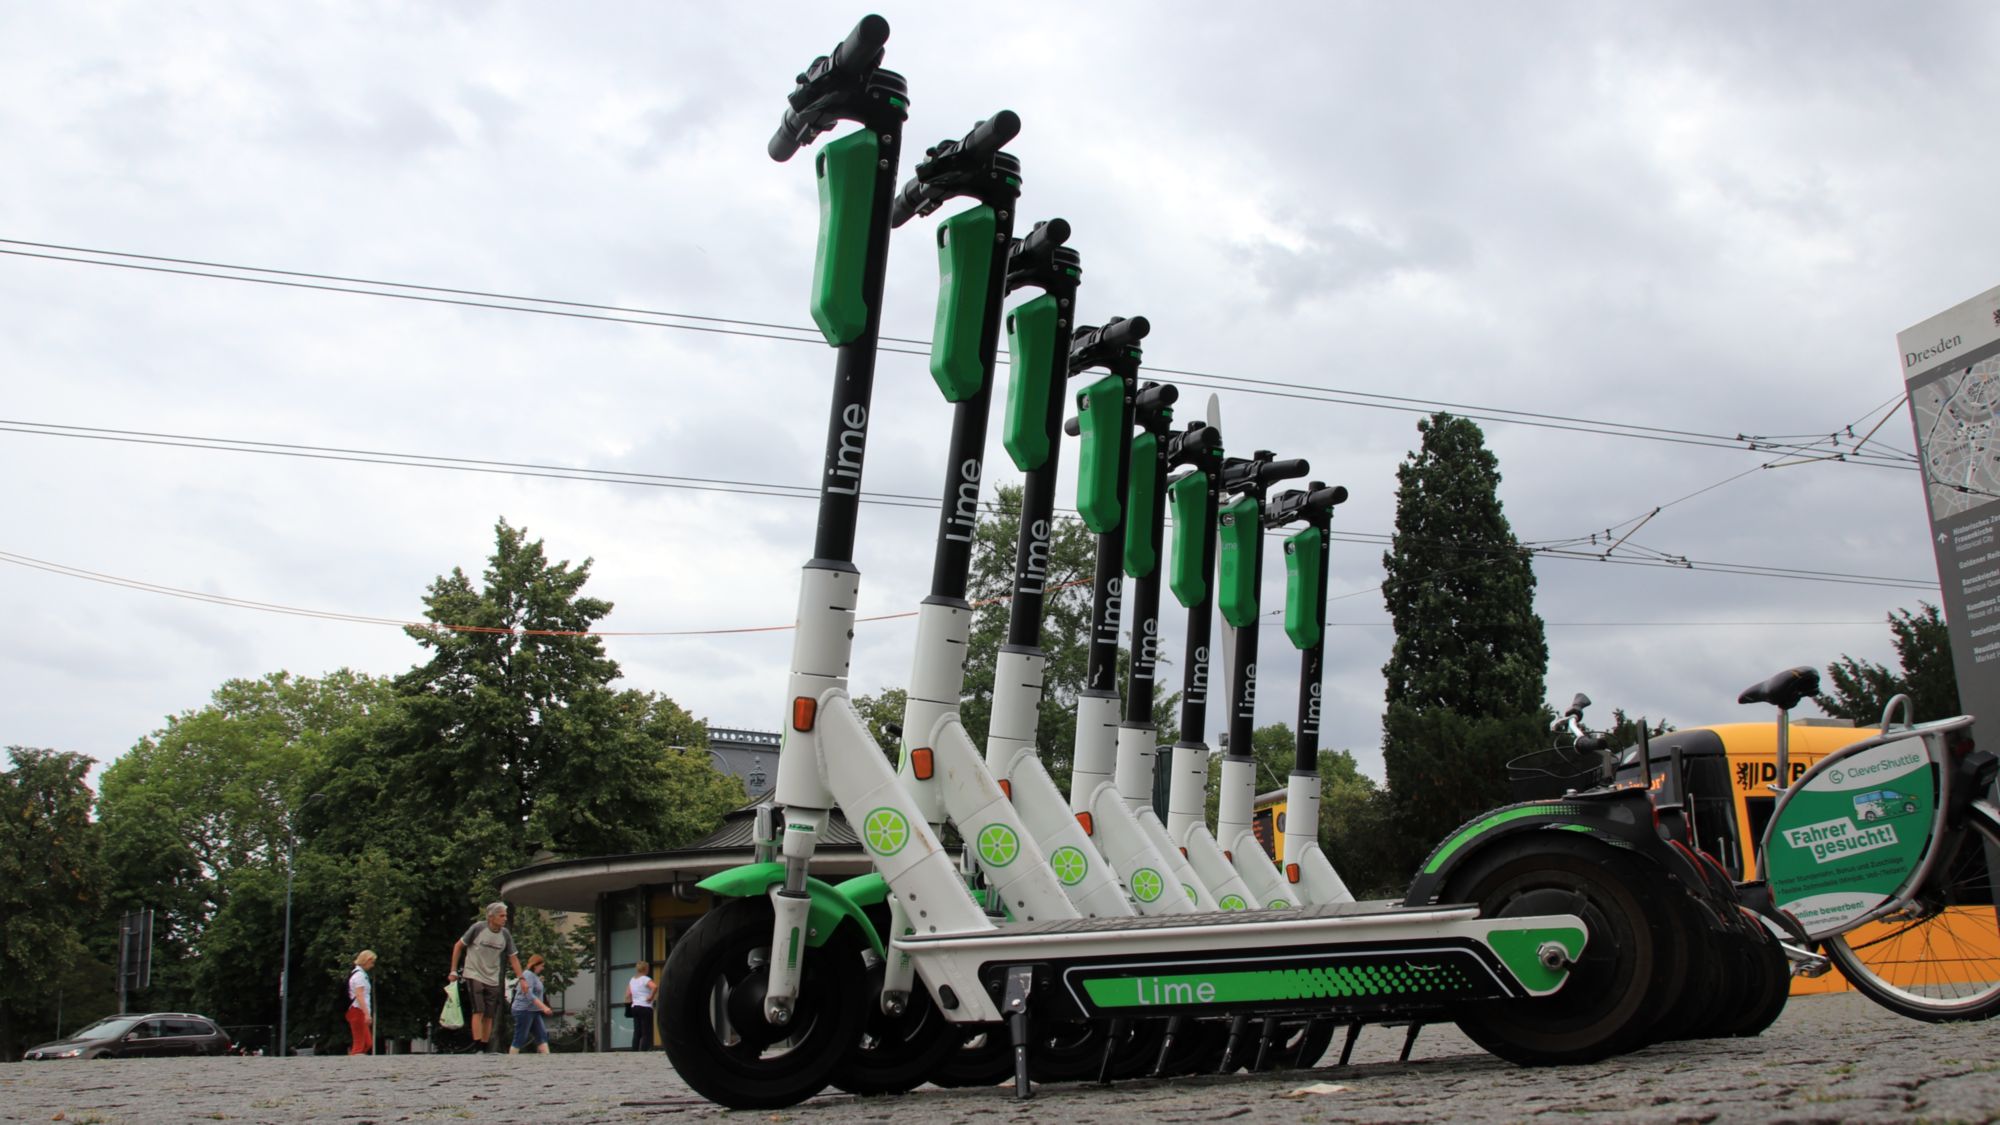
(1465, 676)
(201, 808)
(51, 888)
(507, 744)
(1861, 688)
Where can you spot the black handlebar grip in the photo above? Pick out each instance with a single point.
(862, 48)
(1153, 396)
(908, 202)
(1046, 237)
(1326, 499)
(1124, 330)
(785, 142)
(990, 135)
(1072, 426)
(1290, 468)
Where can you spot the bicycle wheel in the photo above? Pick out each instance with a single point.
(1939, 960)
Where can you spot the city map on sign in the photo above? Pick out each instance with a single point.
(1958, 440)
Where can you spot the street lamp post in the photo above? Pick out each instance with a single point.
(285, 972)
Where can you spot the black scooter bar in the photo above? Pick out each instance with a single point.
(1302, 504)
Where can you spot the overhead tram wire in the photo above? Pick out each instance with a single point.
(1552, 548)
(730, 326)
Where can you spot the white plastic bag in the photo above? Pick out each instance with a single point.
(453, 1015)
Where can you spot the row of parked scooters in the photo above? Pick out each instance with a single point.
(1083, 934)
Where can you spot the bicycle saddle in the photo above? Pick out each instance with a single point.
(1784, 689)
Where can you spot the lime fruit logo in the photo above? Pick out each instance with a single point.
(1233, 902)
(1192, 897)
(1069, 865)
(886, 831)
(1146, 884)
(1279, 904)
(998, 845)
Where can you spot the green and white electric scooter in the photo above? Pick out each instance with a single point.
(1307, 556)
(764, 1000)
(1195, 500)
(1239, 580)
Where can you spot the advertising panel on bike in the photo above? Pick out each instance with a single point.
(1951, 369)
(1848, 838)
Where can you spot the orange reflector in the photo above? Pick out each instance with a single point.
(1292, 872)
(1089, 826)
(1229, 855)
(1007, 789)
(921, 763)
(1183, 853)
(804, 710)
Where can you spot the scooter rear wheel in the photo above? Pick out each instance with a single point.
(1768, 979)
(716, 1035)
(1624, 977)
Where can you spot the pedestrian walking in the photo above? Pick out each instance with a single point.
(530, 1010)
(483, 948)
(361, 1004)
(639, 1004)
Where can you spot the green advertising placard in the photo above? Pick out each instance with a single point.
(1851, 836)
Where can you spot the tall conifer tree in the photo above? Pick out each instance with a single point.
(1465, 678)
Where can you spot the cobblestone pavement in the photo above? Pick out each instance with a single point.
(1830, 1058)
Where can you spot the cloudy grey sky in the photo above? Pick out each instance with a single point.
(1708, 218)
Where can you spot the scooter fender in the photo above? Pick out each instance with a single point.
(831, 908)
(1620, 817)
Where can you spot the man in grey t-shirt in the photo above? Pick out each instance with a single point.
(483, 948)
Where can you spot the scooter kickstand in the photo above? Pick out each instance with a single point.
(1020, 982)
(1305, 1037)
(1112, 1037)
(1409, 1041)
(1347, 1048)
(1264, 1039)
(1175, 1026)
(1237, 1024)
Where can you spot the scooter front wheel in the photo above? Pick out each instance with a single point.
(716, 1034)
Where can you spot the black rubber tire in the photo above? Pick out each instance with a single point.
(896, 1054)
(1767, 976)
(1694, 1009)
(982, 1058)
(757, 1071)
(1065, 1050)
(1621, 983)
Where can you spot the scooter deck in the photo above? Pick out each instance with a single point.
(1335, 957)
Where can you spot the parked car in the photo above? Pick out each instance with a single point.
(150, 1035)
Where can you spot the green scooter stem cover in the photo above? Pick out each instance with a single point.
(1236, 561)
(1188, 499)
(1031, 339)
(846, 170)
(1139, 506)
(1302, 611)
(1100, 419)
(965, 266)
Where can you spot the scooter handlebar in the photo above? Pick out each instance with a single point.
(934, 180)
(851, 60)
(1044, 238)
(862, 49)
(1291, 468)
(1125, 330)
(1154, 396)
(785, 142)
